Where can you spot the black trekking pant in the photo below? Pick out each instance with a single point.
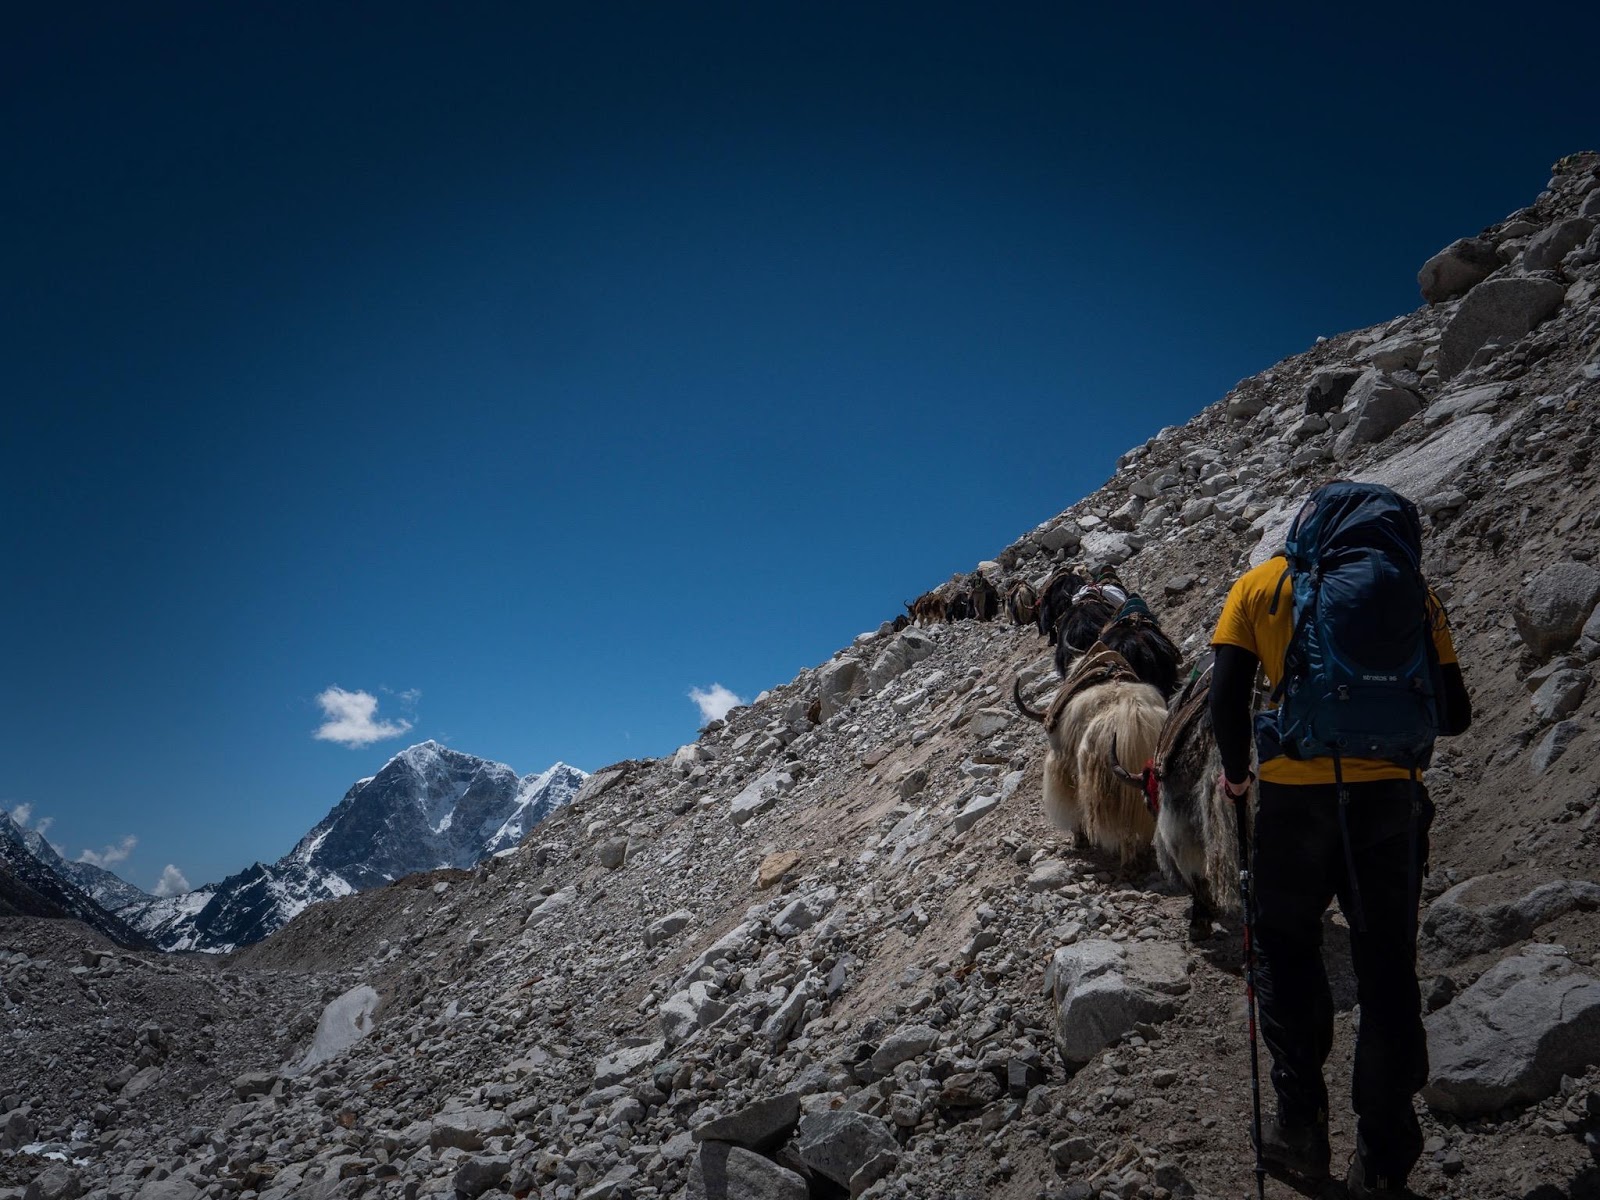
(1299, 865)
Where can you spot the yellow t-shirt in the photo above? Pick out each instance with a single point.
(1247, 623)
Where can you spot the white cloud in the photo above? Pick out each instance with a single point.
(410, 696)
(352, 719)
(111, 855)
(172, 882)
(20, 815)
(713, 702)
(42, 826)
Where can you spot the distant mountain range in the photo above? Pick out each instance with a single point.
(35, 881)
(429, 807)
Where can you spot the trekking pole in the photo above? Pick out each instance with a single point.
(1241, 820)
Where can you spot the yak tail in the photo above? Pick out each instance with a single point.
(1033, 714)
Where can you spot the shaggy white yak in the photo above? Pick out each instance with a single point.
(1082, 793)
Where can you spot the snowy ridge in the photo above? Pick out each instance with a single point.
(428, 807)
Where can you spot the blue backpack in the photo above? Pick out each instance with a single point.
(1361, 676)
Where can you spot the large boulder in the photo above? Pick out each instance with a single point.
(1553, 606)
(839, 683)
(1498, 308)
(902, 1046)
(1102, 989)
(726, 1172)
(467, 1129)
(1510, 1037)
(1377, 406)
(617, 1066)
(760, 794)
(1328, 388)
(1546, 249)
(1560, 695)
(56, 1182)
(839, 1143)
(1063, 535)
(1457, 269)
(1456, 927)
(764, 1125)
(908, 648)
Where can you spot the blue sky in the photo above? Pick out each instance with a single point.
(523, 367)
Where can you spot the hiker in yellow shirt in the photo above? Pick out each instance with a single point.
(1351, 826)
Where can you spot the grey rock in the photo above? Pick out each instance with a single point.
(1399, 353)
(974, 811)
(1327, 390)
(612, 852)
(1102, 989)
(1560, 695)
(1485, 398)
(56, 1182)
(1377, 408)
(785, 1019)
(1050, 875)
(16, 1130)
(1553, 745)
(467, 1129)
(987, 722)
(1546, 249)
(1306, 428)
(879, 1166)
(1456, 269)
(1511, 1036)
(552, 905)
(913, 783)
(805, 910)
(171, 1188)
(760, 794)
(1454, 928)
(1553, 606)
(902, 1046)
(1063, 535)
(1497, 308)
(725, 1172)
(476, 1176)
(839, 683)
(764, 1125)
(663, 928)
(254, 1083)
(904, 651)
(617, 1066)
(839, 1143)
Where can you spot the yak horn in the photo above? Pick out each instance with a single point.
(1033, 714)
(1122, 772)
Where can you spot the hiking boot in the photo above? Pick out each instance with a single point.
(1361, 1183)
(1302, 1148)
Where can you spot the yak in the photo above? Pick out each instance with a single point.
(959, 605)
(1022, 602)
(1196, 836)
(1134, 634)
(1056, 598)
(1101, 714)
(985, 600)
(1078, 627)
(928, 609)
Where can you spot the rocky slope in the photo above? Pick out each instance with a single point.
(428, 807)
(831, 948)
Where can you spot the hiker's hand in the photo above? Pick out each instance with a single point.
(1235, 790)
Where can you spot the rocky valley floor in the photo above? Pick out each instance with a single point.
(817, 952)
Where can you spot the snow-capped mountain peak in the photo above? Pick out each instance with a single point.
(428, 807)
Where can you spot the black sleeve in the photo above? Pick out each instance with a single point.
(1233, 678)
(1455, 709)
